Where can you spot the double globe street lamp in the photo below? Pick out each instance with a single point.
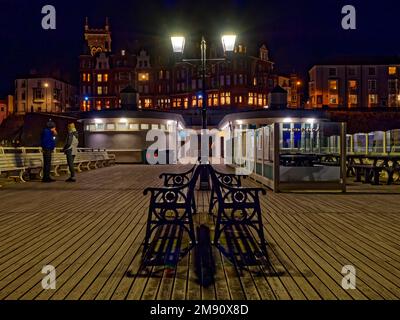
(178, 46)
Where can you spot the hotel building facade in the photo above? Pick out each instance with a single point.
(355, 85)
(243, 80)
(36, 93)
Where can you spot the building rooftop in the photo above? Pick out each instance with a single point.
(360, 60)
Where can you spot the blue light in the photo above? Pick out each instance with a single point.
(200, 96)
(86, 98)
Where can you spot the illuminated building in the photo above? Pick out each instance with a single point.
(243, 80)
(355, 85)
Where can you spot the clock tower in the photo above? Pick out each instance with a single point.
(98, 40)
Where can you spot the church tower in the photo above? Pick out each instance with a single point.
(98, 40)
(264, 53)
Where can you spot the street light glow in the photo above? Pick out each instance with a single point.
(178, 44)
(228, 42)
(46, 85)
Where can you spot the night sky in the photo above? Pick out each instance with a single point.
(297, 33)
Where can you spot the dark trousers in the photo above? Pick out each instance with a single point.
(70, 160)
(46, 163)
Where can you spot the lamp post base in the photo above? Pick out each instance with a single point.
(204, 179)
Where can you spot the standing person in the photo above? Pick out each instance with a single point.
(48, 142)
(70, 149)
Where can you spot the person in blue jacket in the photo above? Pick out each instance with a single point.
(48, 142)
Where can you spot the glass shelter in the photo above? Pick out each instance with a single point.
(299, 154)
(374, 143)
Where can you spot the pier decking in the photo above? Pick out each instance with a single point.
(92, 232)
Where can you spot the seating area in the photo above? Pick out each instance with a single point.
(235, 209)
(22, 164)
(374, 169)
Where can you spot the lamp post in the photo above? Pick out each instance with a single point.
(178, 46)
(46, 85)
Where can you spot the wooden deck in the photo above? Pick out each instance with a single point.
(92, 231)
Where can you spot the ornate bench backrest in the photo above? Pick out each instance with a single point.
(174, 197)
(178, 179)
(236, 198)
(229, 179)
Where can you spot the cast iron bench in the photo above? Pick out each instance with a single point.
(237, 206)
(229, 179)
(171, 206)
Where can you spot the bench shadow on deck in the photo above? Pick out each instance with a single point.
(92, 233)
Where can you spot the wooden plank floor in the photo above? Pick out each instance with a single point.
(92, 231)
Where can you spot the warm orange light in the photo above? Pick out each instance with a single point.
(298, 83)
(46, 85)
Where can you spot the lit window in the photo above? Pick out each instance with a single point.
(133, 126)
(110, 126)
(147, 103)
(143, 76)
(144, 126)
(333, 99)
(353, 84)
(154, 126)
(254, 81)
(333, 84)
(99, 90)
(99, 77)
(353, 99)
(215, 99)
(392, 70)
(225, 98)
(186, 103)
(84, 77)
(98, 105)
(260, 100)
(251, 98)
(372, 99)
(105, 78)
(122, 126)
